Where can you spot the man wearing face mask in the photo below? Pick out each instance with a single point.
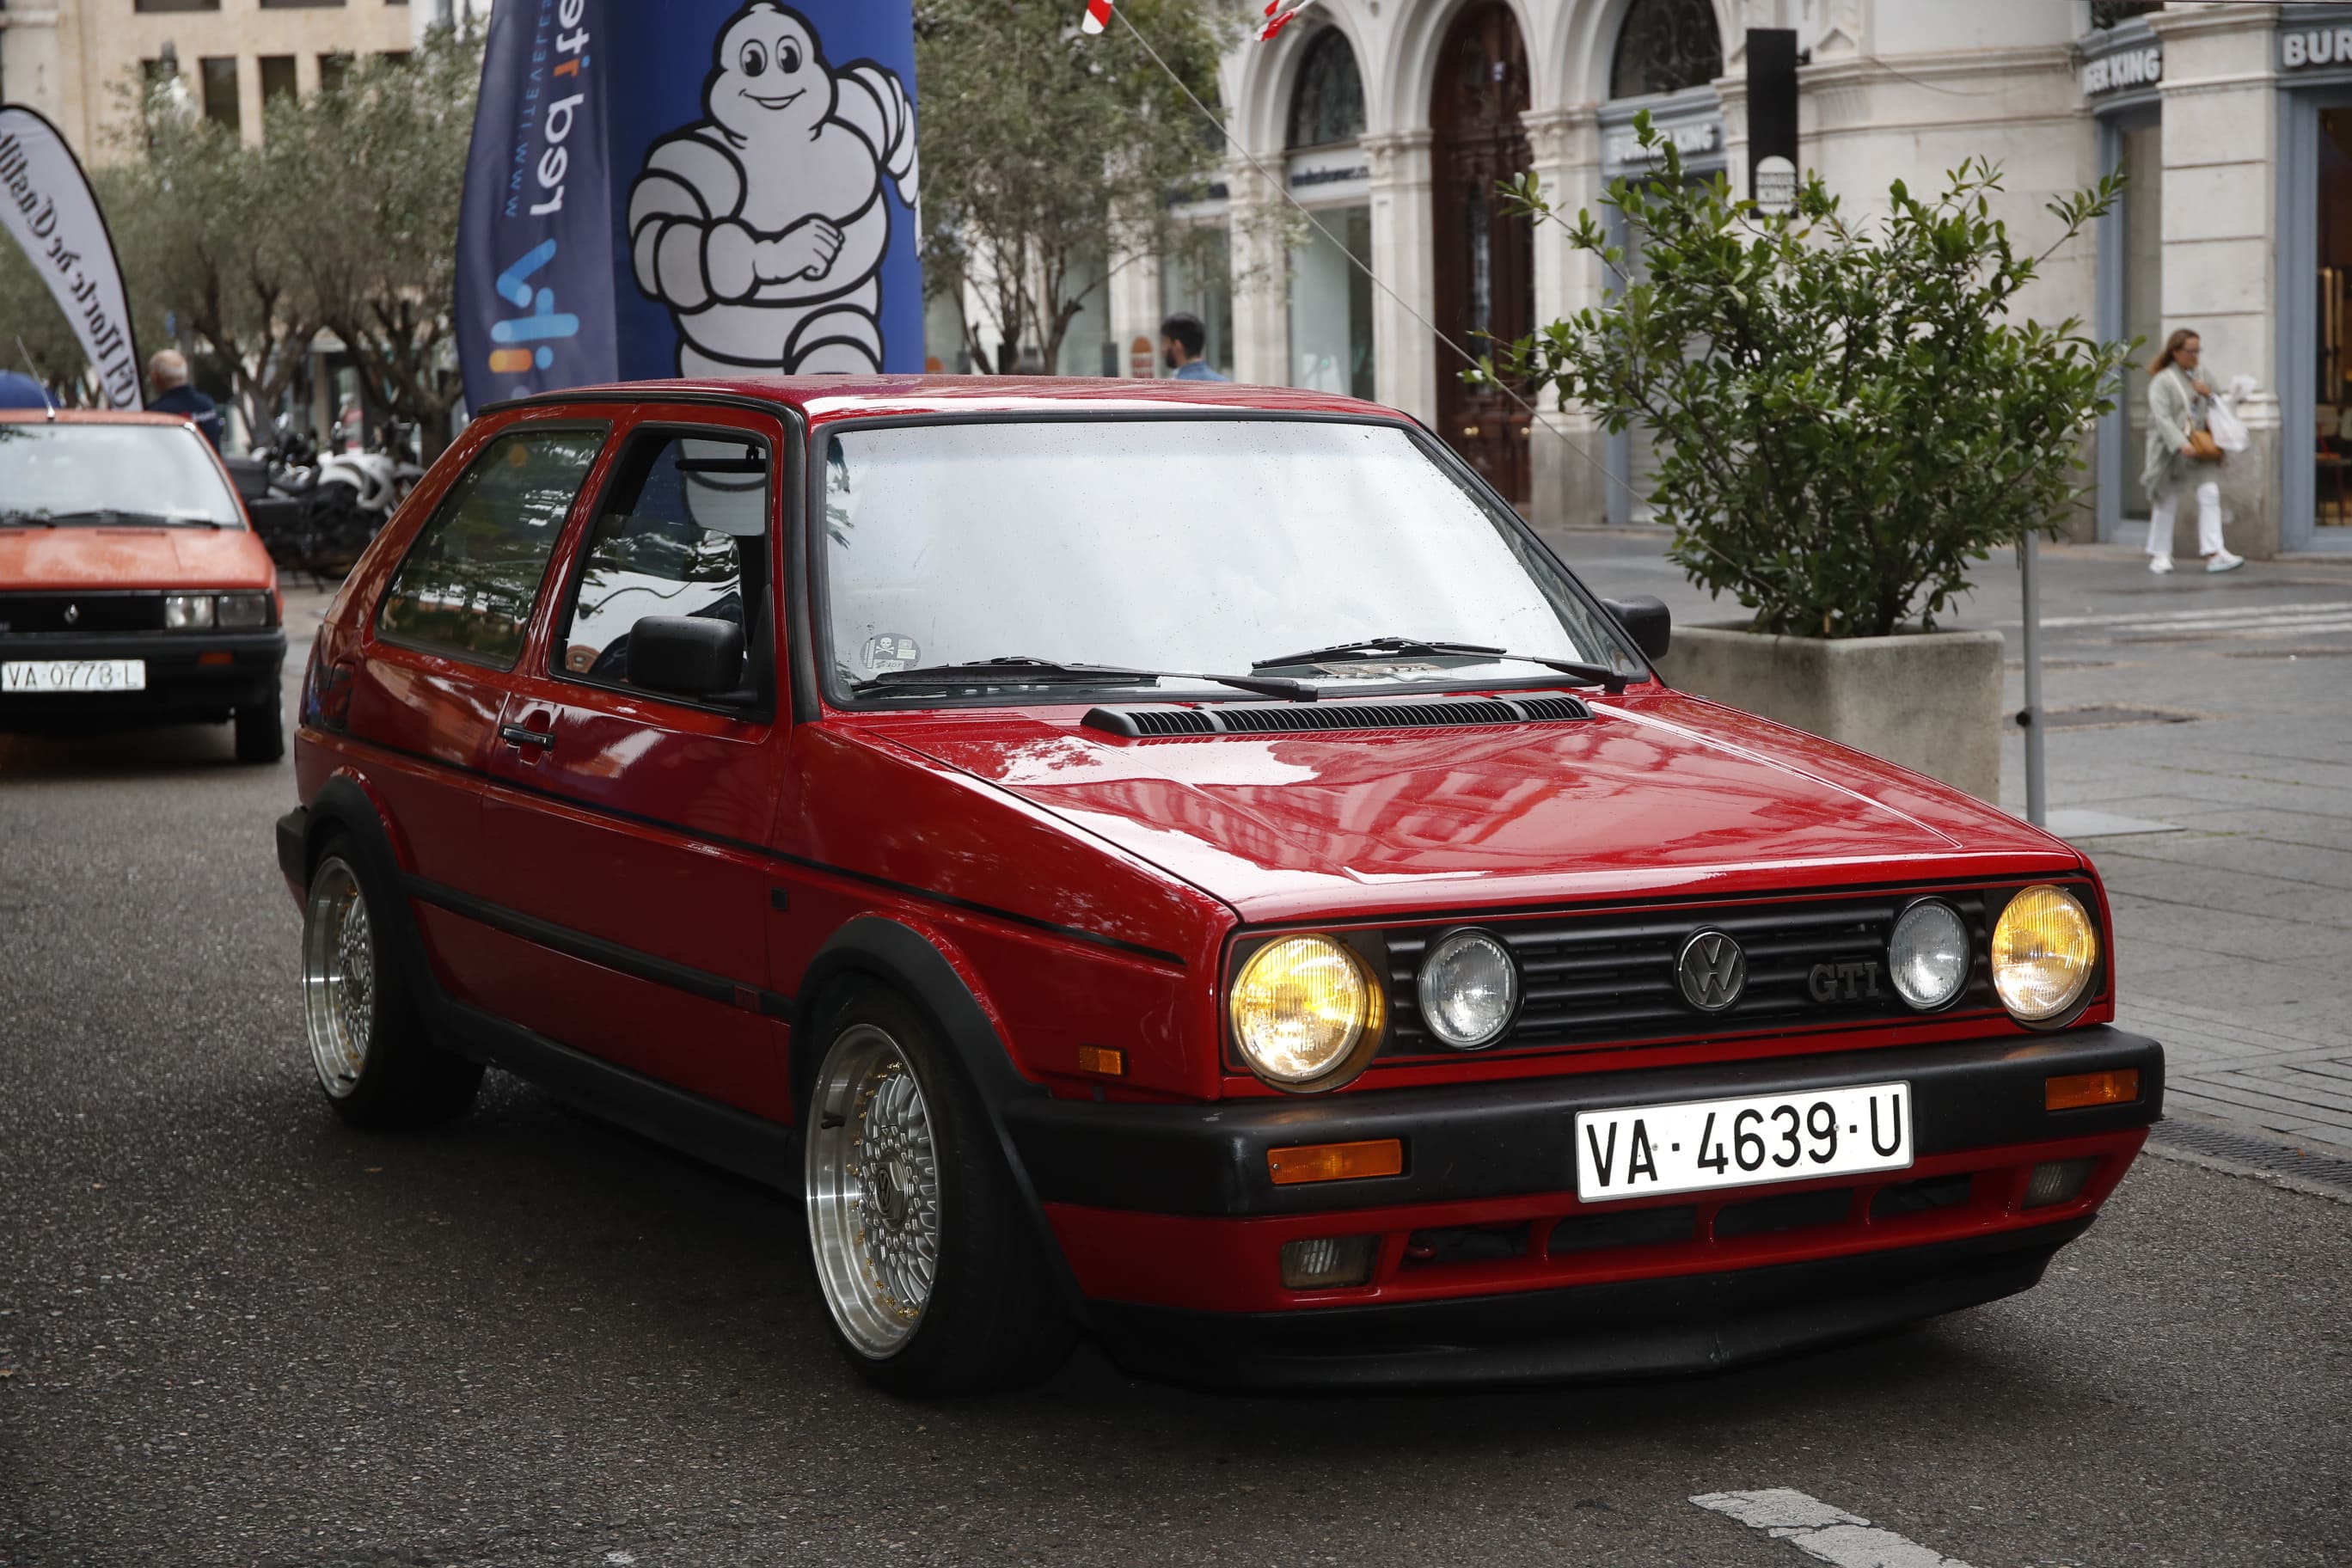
(1182, 337)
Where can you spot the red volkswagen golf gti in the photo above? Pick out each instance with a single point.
(1183, 864)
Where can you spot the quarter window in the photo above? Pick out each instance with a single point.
(683, 531)
(469, 582)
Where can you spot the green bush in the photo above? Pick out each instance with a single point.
(1846, 415)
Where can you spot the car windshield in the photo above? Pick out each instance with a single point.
(1210, 546)
(73, 475)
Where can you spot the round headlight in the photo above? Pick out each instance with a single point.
(1468, 988)
(1301, 1005)
(1928, 955)
(2044, 950)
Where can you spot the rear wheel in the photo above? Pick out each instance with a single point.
(932, 1273)
(375, 1062)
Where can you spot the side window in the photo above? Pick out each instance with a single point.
(469, 583)
(683, 531)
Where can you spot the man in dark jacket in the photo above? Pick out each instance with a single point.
(168, 374)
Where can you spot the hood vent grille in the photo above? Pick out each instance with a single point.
(1159, 721)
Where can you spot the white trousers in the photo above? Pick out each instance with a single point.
(2209, 520)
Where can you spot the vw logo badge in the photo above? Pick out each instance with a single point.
(73, 613)
(1712, 971)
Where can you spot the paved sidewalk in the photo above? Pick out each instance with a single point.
(2220, 707)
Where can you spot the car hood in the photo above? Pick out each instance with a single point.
(96, 558)
(1658, 794)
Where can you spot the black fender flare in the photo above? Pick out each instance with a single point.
(904, 960)
(343, 805)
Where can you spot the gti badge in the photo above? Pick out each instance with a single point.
(73, 613)
(1712, 971)
(1852, 981)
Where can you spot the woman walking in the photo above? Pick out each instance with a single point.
(2181, 453)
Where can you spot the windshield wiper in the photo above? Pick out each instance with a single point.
(112, 517)
(1020, 669)
(1368, 649)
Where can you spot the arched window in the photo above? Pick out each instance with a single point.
(1666, 46)
(1328, 104)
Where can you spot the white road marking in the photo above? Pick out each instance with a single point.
(1830, 1534)
(2257, 614)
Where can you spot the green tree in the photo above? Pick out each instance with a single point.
(381, 155)
(1049, 157)
(1848, 413)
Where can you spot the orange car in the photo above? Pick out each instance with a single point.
(133, 588)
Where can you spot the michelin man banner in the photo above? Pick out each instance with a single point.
(691, 187)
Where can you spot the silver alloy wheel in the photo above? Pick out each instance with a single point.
(338, 976)
(873, 1191)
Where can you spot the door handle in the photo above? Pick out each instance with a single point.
(515, 735)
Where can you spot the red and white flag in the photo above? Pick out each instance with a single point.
(1097, 15)
(1280, 13)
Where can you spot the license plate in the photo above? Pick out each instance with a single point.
(43, 675)
(1699, 1145)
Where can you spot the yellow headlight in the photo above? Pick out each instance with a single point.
(1300, 1007)
(2044, 950)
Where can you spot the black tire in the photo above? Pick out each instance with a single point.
(398, 1077)
(993, 1319)
(260, 733)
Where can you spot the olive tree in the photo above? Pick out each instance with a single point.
(1051, 157)
(1848, 413)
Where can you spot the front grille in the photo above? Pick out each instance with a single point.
(1610, 979)
(81, 615)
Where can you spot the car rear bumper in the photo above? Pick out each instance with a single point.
(1489, 1269)
(191, 677)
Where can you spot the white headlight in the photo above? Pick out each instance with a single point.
(1468, 988)
(1928, 955)
(187, 612)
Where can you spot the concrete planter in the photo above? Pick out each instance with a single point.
(1928, 700)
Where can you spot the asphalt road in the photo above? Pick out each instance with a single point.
(231, 1331)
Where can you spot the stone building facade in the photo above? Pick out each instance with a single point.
(1391, 119)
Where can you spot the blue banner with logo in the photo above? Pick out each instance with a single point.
(691, 187)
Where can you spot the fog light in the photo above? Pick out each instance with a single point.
(187, 612)
(2118, 1086)
(1324, 1262)
(2060, 1181)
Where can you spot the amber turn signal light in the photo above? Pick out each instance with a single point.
(2117, 1086)
(1335, 1162)
(1108, 1061)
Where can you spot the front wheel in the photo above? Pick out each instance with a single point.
(932, 1272)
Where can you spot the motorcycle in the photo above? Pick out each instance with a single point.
(323, 510)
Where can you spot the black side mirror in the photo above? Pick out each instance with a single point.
(686, 655)
(1646, 621)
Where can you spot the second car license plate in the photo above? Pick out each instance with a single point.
(39, 675)
(1644, 1149)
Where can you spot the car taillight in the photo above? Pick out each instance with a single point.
(327, 694)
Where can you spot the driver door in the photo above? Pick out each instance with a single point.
(624, 825)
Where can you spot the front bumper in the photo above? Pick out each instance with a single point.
(192, 677)
(1488, 1267)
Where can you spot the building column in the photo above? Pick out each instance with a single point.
(1404, 351)
(2221, 229)
(1261, 280)
(1134, 316)
(1567, 460)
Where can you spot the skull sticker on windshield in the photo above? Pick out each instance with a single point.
(763, 226)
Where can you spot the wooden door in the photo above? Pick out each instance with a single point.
(1485, 262)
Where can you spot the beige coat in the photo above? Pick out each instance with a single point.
(2175, 409)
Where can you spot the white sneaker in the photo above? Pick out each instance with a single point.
(2222, 561)
(2159, 563)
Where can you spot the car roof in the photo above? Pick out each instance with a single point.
(92, 416)
(825, 399)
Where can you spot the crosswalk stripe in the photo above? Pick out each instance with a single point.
(2249, 612)
(2248, 628)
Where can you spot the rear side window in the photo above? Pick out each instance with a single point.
(469, 583)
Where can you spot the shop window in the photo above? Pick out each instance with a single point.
(2332, 483)
(1327, 105)
(1666, 46)
(1331, 305)
(219, 76)
(1198, 275)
